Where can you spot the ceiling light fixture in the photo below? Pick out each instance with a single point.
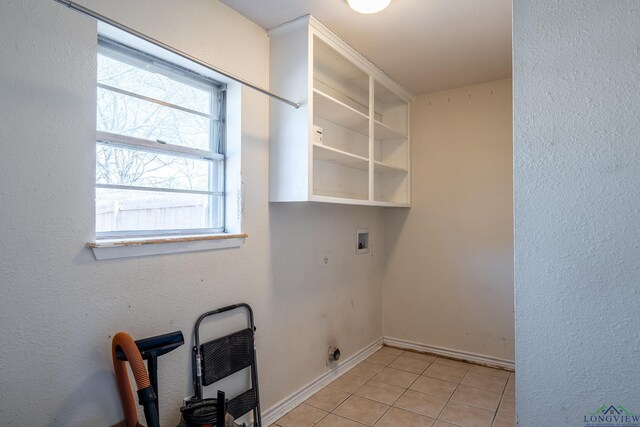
(368, 6)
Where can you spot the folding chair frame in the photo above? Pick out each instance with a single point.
(198, 354)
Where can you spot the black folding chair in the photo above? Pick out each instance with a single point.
(217, 359)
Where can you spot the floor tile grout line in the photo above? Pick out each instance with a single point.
(449, 399)
(394, 402)
(495, 412)
(330, 411)
(366, 398)
(479, 389)
(345, 418)
(323, 417)
(383, 414)
(380, 417)
(416, 391)
(475, 406)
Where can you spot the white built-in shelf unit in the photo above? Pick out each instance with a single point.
(364, 155)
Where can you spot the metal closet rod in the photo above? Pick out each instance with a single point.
(98, 17)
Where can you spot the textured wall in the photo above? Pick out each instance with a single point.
(59, 306)
(577, 199)
(449, 269)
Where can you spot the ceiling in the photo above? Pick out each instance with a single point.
(424, 45)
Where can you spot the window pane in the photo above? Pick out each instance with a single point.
(126, 166)
(146, 82)
(130, 210)
(166, 208)
(130, 116)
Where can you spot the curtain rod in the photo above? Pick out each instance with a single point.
(98, 17)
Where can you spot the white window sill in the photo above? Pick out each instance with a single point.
(133, 247)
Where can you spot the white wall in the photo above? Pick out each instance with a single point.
(577, 181)
(59, 307)
(449, 269)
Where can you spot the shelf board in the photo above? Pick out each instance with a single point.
(338, 112)
(384, 203)
(386, 168)
(363, 202)
(383, 132)
(339, 200)
(339, 157)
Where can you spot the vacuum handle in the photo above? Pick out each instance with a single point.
(147, 398)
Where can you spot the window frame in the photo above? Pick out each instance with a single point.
(217, 140)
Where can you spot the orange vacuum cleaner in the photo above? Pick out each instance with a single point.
(123, 349)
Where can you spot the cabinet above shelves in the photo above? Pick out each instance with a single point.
(349, 141)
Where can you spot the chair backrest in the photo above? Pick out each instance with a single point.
(227, 355)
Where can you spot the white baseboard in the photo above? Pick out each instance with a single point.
(281, 408)
(454, 354)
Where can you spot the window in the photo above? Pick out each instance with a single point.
(160, 163)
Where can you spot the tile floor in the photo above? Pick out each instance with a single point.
(395, 388)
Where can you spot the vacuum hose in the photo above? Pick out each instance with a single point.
(146, 394)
